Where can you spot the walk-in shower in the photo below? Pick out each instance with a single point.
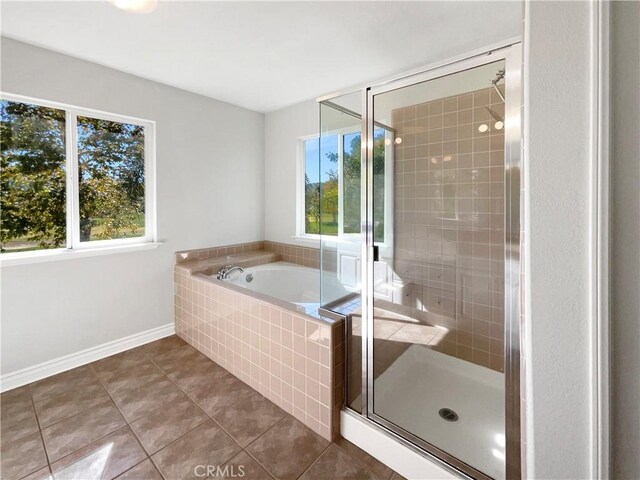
(427, 168)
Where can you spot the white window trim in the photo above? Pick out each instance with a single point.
(74, 247)
(345, 238)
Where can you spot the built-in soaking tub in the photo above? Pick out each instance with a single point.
(289, 283)
(263, 326)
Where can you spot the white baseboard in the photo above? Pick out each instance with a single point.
(392, 453)
(18, 378)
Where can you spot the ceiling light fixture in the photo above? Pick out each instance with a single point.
(136, 6)
(483, 128)
(499, 125)
(398, 140)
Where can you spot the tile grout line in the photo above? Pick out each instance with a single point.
(127, 424)
(268, 430)
(40, 429)
(148, 456)
(44, 446)
(366, 467)
(208, 417)
(132, 467)
(105, 435)
(53, 396)
(165, 375)
(260, 436)
(315, 460)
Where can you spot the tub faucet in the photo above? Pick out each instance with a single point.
(224, 272)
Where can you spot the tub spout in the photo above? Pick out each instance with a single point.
(225, 271)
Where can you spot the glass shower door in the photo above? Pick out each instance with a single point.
(436, 307)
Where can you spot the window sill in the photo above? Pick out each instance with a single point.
(313, 239)
(16, 259)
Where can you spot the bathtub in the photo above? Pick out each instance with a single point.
(288, 282)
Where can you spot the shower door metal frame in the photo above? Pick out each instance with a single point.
(511, 54)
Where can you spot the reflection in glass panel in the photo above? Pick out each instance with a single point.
(33, 210)
(311, 186)
(340, 260)
(351, 188)
(352, 169)
(382, 189)
(111, 174)
(329, 200)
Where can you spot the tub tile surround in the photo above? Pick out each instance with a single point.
(162, 438)
(292, 359)
(247, 255)
(305, 256)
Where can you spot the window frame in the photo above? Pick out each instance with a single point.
(341, 237)
(73, 243)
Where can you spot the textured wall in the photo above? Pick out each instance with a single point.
(206, 153)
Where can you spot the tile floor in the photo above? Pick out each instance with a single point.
(158, 411)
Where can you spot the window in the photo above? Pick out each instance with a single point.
(73, 178)
(332, 183)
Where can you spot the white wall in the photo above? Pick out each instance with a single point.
(558, 317)
(210, 166)
(283, 128)
(625, 237)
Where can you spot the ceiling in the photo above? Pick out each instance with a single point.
(262, 55)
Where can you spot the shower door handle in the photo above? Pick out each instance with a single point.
(376, 254)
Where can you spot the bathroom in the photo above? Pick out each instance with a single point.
(319, 240)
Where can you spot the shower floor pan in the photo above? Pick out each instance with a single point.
(413, 392)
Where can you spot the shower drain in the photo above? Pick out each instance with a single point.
(448, 414)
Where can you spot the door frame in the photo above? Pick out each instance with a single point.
(511, 54)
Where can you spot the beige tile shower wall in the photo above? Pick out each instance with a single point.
(293, 360)
(449, 220)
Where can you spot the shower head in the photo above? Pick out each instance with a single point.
(494, 83)
(499, 76)
(495, 115)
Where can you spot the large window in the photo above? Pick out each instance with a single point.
(72, 178)
(333, 183)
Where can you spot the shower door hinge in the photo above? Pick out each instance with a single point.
(376, 254)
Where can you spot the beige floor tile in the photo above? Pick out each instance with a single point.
(80, 430)
(18, 416)
(336, 464)
(247, 420)
(213, 398)
(243, 466)
(103, 459)
(145, 470)
(76, 378)
(376, 466)
(54, 408)
(22, 457)
(162, 426)
(141, 400)
(187, 458)
(287, 449)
